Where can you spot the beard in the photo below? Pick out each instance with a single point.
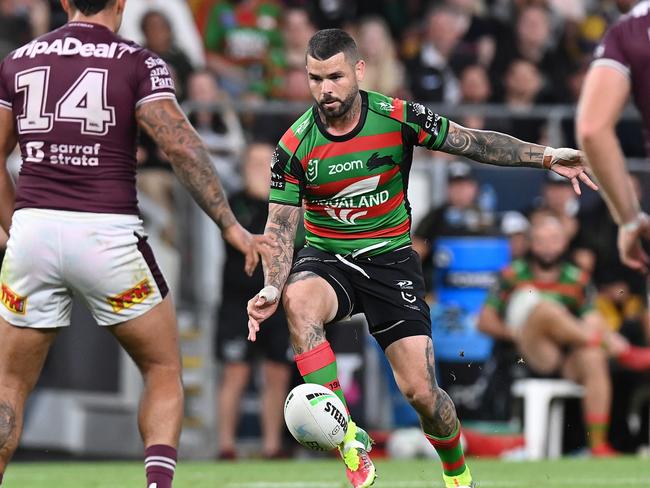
(546, 263)
(343, 108)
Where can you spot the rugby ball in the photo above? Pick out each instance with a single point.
(316, 417)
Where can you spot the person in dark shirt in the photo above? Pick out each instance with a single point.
(250, 206)
(459, 216)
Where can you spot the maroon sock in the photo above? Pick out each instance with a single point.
(160, 464)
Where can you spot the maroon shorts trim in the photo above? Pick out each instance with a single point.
(147, 254)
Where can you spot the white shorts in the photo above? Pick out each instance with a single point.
(521, 304)
(53, 254)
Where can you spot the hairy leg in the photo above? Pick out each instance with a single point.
(152, 341)
(413, 363)
(276, 384)
(233, 383)
(22, 354)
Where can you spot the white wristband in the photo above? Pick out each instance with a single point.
(269, 293)
(552, 155)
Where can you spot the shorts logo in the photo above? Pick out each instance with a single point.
(405, 284)
(13, 301)
(133, 296)
(408, 297)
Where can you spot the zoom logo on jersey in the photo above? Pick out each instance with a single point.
(345, 167)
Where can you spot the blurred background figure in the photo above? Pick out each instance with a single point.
(460, 215)
(244, 45)
(21, 21)
(236, 354)
(218, 125)
(182, 23)
(297, 29)
(384, 71)
(544, 305)
(515, 227)
(159, 38)
(431, 77)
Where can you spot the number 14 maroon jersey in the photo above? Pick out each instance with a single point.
(74, 92)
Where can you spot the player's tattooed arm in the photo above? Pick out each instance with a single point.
(281, 226)
(167, 125)
(492, 147)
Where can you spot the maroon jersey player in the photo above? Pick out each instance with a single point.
(74, 99)
(621, 68)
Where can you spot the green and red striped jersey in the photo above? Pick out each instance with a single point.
(572, 289)
(354, 186)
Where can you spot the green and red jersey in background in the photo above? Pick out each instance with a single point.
(354, 187)
(572, 289)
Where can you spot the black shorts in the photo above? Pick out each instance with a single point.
(232, 330)
(388, 289)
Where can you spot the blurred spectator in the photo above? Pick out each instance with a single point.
(20, 22)
(182, 22)
(560, 200)
(384, 72)
(478, 43)
(544, 305)
(431, 76)
(522, 87)
(297, 29)
(460, 215)
(272, 345)
(596, 248)
(220, 130)
(515, 227)
(244, 46)
(531, 40)
(159, 38)
(475, 88)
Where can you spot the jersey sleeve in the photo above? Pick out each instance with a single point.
(5, 95)
(500, 292)
(424, 127)
(154, 79)
(286, 178)
(611, 51)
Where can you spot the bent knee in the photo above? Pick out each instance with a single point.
(309, 300)
(421, 395)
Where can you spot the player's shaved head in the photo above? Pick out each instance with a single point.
(90, 7)
(329, 42)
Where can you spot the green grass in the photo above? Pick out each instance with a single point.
(568, 473)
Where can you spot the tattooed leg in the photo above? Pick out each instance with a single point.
(310, 303)
(413, 365)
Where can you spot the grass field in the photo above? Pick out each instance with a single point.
(574, 473)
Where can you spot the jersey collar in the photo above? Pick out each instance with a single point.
(353, 132)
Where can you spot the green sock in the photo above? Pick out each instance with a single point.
(451, 453)
(319, 366)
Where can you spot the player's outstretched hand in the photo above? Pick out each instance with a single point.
(250, 245)
(260, 308)
(630, 246)
(569, 163)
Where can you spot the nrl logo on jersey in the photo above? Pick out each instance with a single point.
(302, 127)
(312, 169)
(385, 106)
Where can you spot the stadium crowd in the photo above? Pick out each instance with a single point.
(516, 53)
